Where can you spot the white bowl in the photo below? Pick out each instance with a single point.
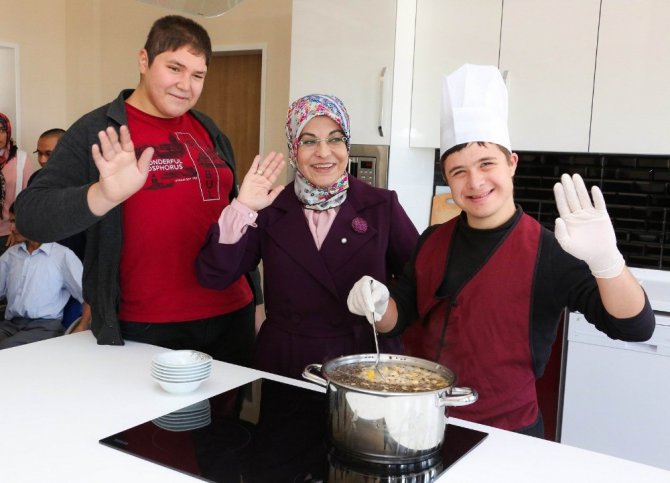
(180, 377)
(200, 370)
(179, 387)
(191, 367)
(174, 379)
(181, 359)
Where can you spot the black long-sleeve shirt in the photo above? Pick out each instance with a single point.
(560, 281)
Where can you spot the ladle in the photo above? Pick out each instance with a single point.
(374, 332)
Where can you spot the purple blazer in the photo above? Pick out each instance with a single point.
(305, 288)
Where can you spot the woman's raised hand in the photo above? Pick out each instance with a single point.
(256, 191)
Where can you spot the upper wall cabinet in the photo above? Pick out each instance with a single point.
(631, 103)
(345, 48)
(449, 33)
(546, 49)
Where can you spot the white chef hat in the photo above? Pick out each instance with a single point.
(474, 107)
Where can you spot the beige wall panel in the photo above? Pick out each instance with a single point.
(77, 54)
(37, 27)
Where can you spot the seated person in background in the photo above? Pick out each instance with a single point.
(316, 238)
(45, 146)
(489, 286)
(46, 143)
(37, 279)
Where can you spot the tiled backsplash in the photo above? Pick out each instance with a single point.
(636, 190)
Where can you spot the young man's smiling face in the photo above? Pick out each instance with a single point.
(172, 84)
(481, 182)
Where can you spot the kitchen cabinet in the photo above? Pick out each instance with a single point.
(449, 33)
(545, 49)
(631, 102)
(346, 48)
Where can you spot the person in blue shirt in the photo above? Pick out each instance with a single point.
(37, 280)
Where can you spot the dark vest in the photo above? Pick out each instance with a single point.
(484, 334)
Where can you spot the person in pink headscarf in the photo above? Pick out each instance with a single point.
(316, 237)
(15, 170)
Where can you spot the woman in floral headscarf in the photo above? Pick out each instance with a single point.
(15, 170)
(316, 238)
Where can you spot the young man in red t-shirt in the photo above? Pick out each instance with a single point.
(147, 204)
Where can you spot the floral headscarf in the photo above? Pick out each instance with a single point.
(304, 109)
(299, 114)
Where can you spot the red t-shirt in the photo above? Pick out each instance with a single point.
(165, 223)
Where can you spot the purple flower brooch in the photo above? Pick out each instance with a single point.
(359, 225)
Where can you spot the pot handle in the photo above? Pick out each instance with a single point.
(459, 396)
(308, 374)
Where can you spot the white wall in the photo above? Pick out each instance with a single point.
(37, 28)
(8, 94)
(76, 55)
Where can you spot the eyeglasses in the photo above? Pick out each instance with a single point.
(333, 142)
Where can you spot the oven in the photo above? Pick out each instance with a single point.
(369, 164)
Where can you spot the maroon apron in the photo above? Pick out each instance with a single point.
(484, 334)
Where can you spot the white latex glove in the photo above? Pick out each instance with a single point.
(368, 297)
(585, 230)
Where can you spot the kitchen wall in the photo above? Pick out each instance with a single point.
(38, 28)
(78, 54)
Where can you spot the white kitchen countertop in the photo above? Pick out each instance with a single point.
(59, 397)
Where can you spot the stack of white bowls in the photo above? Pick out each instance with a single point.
(195, 416)
(181, 371)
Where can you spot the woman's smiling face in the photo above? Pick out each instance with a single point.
(322, 163)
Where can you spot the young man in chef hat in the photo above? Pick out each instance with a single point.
(486, 289)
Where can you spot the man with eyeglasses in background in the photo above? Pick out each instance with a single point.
(46, 143)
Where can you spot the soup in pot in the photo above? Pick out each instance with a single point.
(394, 377)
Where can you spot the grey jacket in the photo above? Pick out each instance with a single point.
(55, 207)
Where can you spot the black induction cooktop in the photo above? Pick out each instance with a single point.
(279, 437)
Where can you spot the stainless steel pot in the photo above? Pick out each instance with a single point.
(387, 426)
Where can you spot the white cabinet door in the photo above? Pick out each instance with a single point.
(631, 104)
(345, 48)
(547, 51)
(449, 33)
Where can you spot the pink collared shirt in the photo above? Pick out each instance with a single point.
(237, 217)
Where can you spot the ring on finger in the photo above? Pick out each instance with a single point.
(259, 172)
